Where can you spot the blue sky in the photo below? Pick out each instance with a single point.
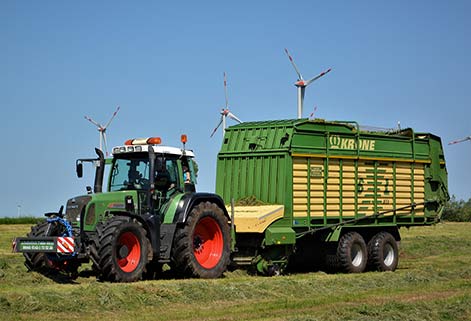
(163, 63)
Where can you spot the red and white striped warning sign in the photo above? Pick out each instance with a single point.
(65, 245)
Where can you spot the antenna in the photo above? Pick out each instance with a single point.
(302, 84)
(459, 140)
(225, 112)
(102, 130)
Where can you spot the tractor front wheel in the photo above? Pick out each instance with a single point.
(50, 263)
(124, 249)
(37, 261)
(202, 246)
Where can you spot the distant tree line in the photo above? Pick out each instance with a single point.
(457, 210)
(21, 220)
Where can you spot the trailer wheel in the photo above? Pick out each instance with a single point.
(352, 253)
(123, 253)
(383, 252)
(202, 246)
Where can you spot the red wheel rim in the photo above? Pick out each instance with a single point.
(208, 243)
(129, 246)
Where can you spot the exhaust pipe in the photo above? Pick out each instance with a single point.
(100, 171)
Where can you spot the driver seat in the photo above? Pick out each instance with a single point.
(162, 181)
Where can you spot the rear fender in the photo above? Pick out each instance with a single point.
(190, 200)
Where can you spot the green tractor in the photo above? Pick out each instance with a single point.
(149, 216)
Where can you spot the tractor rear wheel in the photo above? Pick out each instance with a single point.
(202, 246)
(382, 252)
(352, 253)
(124, 250)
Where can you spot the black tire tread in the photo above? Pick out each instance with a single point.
(94, 247)
(375, 252)
(36, 261)
(344, 249)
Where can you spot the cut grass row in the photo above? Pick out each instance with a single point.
(433, 282)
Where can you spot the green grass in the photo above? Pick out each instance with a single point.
(433, 282)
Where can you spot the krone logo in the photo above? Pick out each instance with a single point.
(334, 141)
(337, 142)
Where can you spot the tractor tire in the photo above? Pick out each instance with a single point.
(94, 247)
(383, 254)
(124, 250)
(50, 264)
(37, 261)
(201, 247)
(352, 253)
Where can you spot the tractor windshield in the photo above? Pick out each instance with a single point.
(130, 173)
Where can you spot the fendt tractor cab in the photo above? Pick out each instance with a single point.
(150, 215)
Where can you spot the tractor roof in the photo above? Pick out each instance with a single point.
(157, 149)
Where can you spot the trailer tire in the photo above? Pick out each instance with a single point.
(352, 253)
(201, 247)
(124, 249)
(383, 254)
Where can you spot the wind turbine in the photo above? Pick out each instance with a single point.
(460, 140)
(102, 130)
(225, 112)
(302, 84)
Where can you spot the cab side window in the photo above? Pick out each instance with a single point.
(172, 168)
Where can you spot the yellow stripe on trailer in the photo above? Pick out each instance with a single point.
(255, 219)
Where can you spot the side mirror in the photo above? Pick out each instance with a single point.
(79, 170)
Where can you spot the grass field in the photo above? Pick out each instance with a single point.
(433, 282)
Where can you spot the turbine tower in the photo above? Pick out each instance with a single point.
(102, 130)
(302, 84)
(225, 112)
(460, 140)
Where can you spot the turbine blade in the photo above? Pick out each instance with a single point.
(112, 117)
(215, 129)
(92, 121)
(300, 77)
(318, 76)
(459, 140)
(225, 90)
(234, 117)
